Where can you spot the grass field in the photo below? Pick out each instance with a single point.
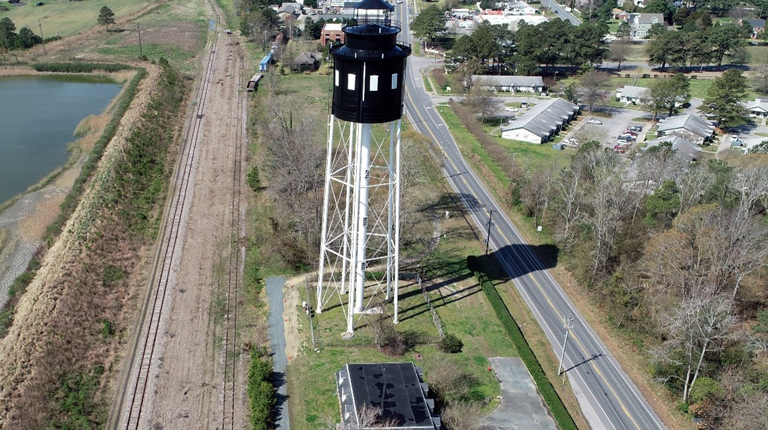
(462, 308)
(64, 17)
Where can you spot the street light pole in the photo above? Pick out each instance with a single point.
(138, 27)
(40, 23)
(488, 235)
(568, 326)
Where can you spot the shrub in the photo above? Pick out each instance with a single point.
(261, 392)
(703, 389)
(79, 67)
(646, 76)
(253, 180)
(451, 344)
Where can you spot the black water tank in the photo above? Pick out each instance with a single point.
(369, 69)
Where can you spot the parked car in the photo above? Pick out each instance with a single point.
(510, 109)
(630, 132)
(627, 137)
(524, 105)
(619, 148)
(622, 142)
(594, 121)
(637, 128)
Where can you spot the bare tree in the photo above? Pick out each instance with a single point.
(693, 185)
(295, 157)
(482, 99)
(620, 51)
(608, 202)
(698, 325)
(569, 191)
(592, 87)
(368, 416)
(461, 415)
(749, 412)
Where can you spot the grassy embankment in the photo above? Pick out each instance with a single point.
(122, 214)
(172, 32)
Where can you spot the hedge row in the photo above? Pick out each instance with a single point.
(79, 67)
(556, 406)
(261, 391)
(73, 197)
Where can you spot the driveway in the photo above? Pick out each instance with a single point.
(521, 405)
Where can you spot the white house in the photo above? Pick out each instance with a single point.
(529, 84)
(460, 13)
(541, 122)
(757, 108)
(632, 94)
(688, 126)
(640, 23)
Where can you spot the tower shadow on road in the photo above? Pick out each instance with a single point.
(520, 259)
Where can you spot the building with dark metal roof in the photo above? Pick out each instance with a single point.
(688, 126)
(396, 388)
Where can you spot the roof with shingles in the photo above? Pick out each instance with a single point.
(634, 92)
(545, 117)
(689, 122)
(517, 81)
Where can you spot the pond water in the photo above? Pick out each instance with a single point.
(38, 117)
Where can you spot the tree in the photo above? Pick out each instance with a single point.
(27, 38)
(592, 86)
(667, 95)
(658, 49)
(7, 33)
(725, 40)
(451, 344)
(429, 24)
(700, 324)
(482, 99)
(106, 17)
(663, 203)
(624, 31)
(656, 30)
(724, 98)
(619, 52)
(663, 7)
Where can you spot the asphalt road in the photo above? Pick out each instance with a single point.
(607, 396)
(560, 11)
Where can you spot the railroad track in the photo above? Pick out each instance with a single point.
(132, 405)
(230, 342)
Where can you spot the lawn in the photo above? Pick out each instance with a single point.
(469, 145)
(462, 308)
(64, 17)
(757, 54)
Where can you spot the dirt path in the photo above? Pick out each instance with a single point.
(190, 384)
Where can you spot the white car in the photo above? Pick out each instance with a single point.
(510, 109)
(594, 121)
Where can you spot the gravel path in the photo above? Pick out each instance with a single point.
(276, 296)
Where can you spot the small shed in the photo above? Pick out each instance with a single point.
(305, 61)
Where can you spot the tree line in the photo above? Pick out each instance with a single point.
(677, 252)
(698, 45)
(551, 43)
(24, 39)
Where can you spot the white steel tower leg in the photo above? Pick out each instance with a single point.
(396, 262)
(364, 160)
(324, 231)
(390, 203)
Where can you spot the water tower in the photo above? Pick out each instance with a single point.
(361, 206)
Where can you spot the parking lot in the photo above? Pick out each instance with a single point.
(611, 128)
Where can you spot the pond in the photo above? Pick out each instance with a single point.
(38, 117)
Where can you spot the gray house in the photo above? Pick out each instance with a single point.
(632, 94)
(529, 84)
(689, 127)
(640, 23)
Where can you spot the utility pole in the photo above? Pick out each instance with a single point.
(488, 235)
(309, 312)
(138, 27)
(40, 23)
(568, 323)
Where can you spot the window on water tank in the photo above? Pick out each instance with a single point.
(394, 81)
(351, 81)
(374, 83)
(336, 77)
